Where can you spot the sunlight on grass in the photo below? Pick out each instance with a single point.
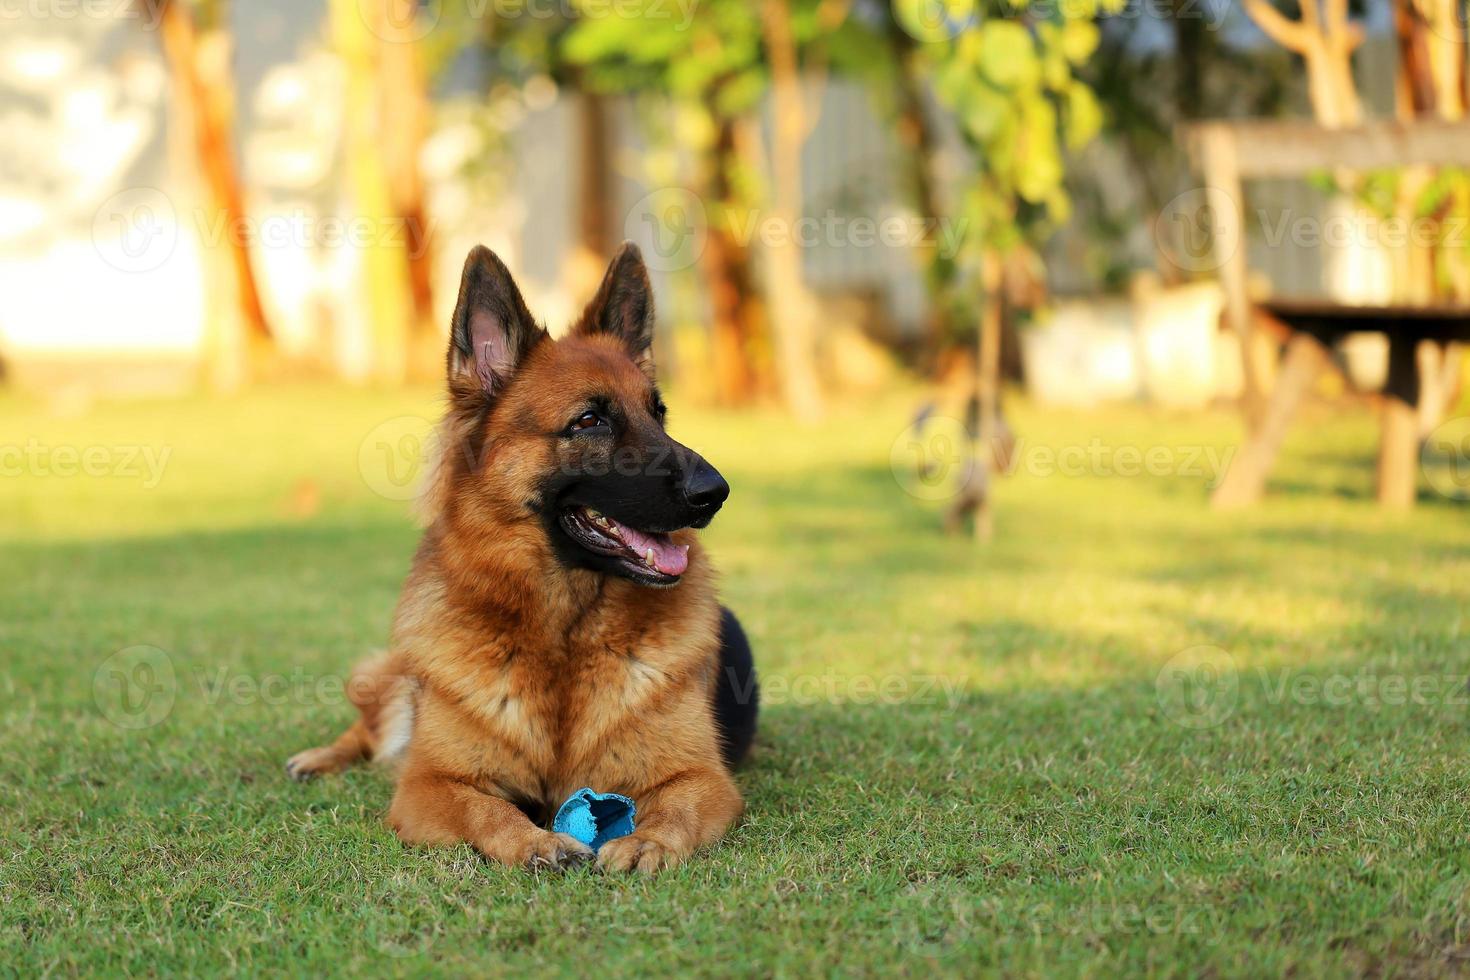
(966, 761)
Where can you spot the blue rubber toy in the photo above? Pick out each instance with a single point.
(595, 818)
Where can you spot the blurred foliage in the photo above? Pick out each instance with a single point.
(1005, 75)
(1434, 207)
(716, 56)
(712, 69)
(1008, 73)
(688, 77)
(1149, 82)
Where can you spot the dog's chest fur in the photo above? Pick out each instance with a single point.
(536, 712)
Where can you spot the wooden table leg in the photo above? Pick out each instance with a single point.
(1225, 197)
(1398, 446)
(1439, 377)
(1245, 481)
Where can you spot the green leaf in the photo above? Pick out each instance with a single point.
(1084, 115)
(934, 21)
(1059, 206)
(1038, 160)
(987, 112)
(1079, 40)
(1007, 55)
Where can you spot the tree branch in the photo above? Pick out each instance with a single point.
(1286, 32)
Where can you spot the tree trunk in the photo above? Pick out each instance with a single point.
(199, 64)
(987, 388)
(1415, 91)
(736, 311)
(916, 135)
(383, 255)
(1325, 39)
(1192, 37)
(793, 310)
(594, 195)
(1431, 82)
(1432, 60)
(404, 107)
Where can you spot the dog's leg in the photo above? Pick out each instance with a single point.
(676, 817)
(351, 746)
(435, 809)
(385, 703)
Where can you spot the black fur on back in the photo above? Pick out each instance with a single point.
(737, 695)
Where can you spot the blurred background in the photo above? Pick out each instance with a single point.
(836, 197)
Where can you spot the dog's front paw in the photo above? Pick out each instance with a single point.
(549, 851)
(313, 763)
(637, 853)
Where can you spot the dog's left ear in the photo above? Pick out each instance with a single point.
(623, 307)
(491, 331)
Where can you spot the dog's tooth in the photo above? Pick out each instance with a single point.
(649, 557)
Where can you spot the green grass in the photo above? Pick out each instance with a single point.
(970, 760)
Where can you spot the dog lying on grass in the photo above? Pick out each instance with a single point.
(560, 627)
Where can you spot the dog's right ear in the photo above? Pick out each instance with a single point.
(491, 331)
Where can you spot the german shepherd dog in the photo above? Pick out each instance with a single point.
(560, 626)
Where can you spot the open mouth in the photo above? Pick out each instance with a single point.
(648, 556)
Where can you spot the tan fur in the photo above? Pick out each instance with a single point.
(524, 680)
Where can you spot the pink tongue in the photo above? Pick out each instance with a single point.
(669, 558)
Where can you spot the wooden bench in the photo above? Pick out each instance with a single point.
(1314, 326)
(1227, 153)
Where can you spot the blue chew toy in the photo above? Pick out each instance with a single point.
(595, 818)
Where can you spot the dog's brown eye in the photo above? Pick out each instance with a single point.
(586, 420)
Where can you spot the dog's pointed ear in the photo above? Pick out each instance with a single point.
(491, 331)
(623, 306)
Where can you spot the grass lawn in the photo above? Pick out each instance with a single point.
(1132, 736)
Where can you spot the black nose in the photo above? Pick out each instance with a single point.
(704, 487)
